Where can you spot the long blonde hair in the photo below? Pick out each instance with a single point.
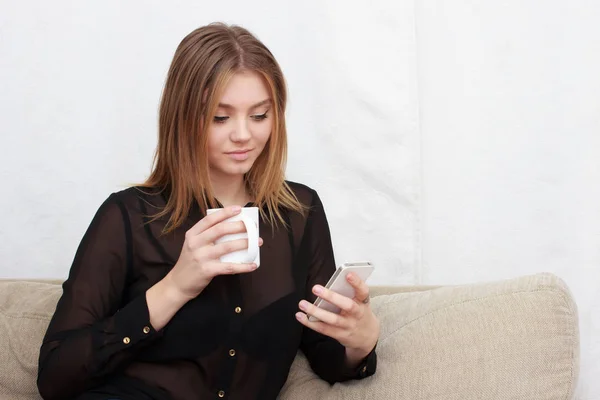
(203, 63)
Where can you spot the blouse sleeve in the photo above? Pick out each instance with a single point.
(327, 357)
(92, 333)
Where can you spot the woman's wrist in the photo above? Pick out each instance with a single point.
(173, 293)
(356, 356)
(164, 300)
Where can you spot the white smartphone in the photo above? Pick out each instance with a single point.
(339, 284)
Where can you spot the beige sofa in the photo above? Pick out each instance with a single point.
(514, 339)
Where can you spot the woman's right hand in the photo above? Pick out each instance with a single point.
(199, 261)
(197, 265)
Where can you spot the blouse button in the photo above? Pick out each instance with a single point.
(146, 329)
(232, 352)
(126, 340)
(364, 370)
(238, 310)
(221, 394)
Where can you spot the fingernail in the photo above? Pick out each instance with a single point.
(303, 304)
(236, 209)
(299, 316)
(253, 267)
(318, 289)
(351, 277)
(260, 241)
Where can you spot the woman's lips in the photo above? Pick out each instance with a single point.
(239, 155)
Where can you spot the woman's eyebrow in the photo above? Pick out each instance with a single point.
(230, 107)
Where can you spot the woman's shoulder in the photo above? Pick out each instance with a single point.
(305, 194)
(131, 196)
(300, 189)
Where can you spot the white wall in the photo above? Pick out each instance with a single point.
(510, 123)
(81, 89)
(453, 142)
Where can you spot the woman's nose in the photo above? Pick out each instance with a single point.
(241, 132)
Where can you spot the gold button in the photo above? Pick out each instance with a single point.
(238, 310)
(221, 393)
(126, 340)
(364, 369)
(146, 329)
(232, 352)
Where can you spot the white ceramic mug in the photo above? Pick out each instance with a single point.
(249, 216)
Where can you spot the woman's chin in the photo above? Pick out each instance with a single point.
(240, 169)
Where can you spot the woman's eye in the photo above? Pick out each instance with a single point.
(260, 117)
(220, 120)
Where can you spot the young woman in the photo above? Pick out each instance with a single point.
(148, 310)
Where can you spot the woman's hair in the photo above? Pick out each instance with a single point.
(203, 64)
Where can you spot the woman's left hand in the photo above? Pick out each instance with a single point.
(355, 327)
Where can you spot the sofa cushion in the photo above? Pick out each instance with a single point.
(516, 339)
(25, 310)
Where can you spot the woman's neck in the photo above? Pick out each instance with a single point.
(230, 191)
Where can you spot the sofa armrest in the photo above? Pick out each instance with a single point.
(513, 339)
(377, 290)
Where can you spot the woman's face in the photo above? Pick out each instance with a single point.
(241, 127)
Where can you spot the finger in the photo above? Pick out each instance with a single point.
(343, 302)
(219, 230)
(361, 289)
(321, 327)
(213, 219)
(230, 246)
(260, 241)
(219, 268)
(323, 315)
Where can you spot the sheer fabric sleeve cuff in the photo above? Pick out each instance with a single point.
(126, 331)
(366, 368)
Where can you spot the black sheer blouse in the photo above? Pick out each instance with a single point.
(236, 340)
